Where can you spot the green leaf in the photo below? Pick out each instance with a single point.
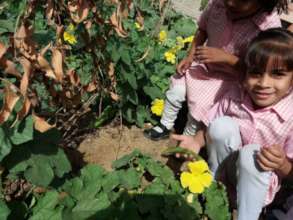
(46, 207)
(153, 92)
(132, 96)
(185, 27)
(108, 113)
(123, 161)
(89, 207)
(5, 145)
(87, 184)
(39, 173)
(131, 79)
(22, 132)
(4, 210)
(125, 56)
(6, 26)
(60, 163)
(129, 178)
(217, 206)
(111, 181)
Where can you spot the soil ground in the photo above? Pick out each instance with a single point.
(110, 143)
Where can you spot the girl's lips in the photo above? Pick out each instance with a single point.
(262, 95)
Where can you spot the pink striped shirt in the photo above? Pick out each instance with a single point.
(206, 83)
(266, 126)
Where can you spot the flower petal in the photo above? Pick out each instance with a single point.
(196, 186)
(186, 179)
(206, 179)
(198, 167)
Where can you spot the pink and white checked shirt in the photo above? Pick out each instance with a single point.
(266, 127)
(206, 83)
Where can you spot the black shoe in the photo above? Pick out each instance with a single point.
(155, 134)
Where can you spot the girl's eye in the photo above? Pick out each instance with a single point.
(278, 73)
(254, 73)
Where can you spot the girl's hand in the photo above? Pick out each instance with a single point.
(184, 65)
(274, 159)
(188, 142)
(214, 55)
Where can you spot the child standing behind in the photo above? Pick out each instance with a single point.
(256, 121)
(209, 71)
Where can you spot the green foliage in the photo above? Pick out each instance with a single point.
(21, 132)
(4, 210)
(141, 69)
(138, 188)
(39, 161)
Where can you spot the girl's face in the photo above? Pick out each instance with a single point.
(269, 87)
(241, 8)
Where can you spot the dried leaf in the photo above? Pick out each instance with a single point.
(3, 49)
(45, 66)
(92, 86)
(79, 10)
(115, 20)
(11, 97)
(45, 49)
(73, 77)
(27, 67)
(9, 67)
(114, 96)
(25, 109)
(49, 11)
(57, 60)
(41, 125)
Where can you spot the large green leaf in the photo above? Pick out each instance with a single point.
(4, 210)
(217, 206)
(22, 132)
(39, 173)
(5, 145)
(131, 78)
(46, 208)
(153, 92)
(123, 161)
(89, 207)
(129, 178)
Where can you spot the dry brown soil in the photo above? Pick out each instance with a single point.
(110, 143)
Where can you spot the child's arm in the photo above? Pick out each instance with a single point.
(193, 143)
(215, 55)
(275, 159)
(198, 40)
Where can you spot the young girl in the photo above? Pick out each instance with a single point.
(256, 121)
(208, 71)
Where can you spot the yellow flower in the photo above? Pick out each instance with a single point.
(170, 56)
(198, 178)
(138, 26)
(188, 39)
(162, 36)
(70, 38)
(157, 107)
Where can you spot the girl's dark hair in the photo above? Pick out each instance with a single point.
(270, 5)
(275, 44)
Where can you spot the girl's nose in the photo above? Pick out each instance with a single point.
(265, 81)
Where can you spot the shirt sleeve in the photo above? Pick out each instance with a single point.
(203, 18)
(289, 145)
(265, 21)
